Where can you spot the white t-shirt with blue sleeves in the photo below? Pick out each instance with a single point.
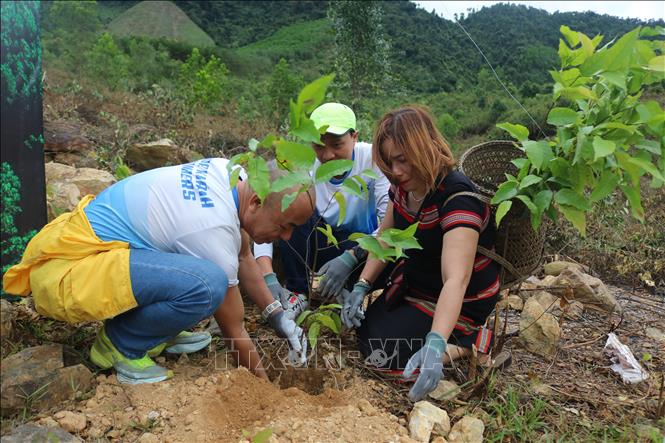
(362, 215)
(186, 209)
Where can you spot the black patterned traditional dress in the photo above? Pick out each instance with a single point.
(388, 337)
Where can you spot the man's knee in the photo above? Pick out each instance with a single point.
(211, 284)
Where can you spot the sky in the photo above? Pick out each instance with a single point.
(634, 9)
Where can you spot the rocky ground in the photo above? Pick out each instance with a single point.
(556, 328)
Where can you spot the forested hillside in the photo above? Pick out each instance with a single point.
(428, 53)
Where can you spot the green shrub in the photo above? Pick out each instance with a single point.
(107, 64)
(203, 82)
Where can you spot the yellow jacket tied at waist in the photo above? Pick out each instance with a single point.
(72, 274)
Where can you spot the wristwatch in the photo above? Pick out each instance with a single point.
(272, 307)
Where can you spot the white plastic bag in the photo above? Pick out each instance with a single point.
(625, 363)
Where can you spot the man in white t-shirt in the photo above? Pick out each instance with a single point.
(155, 254)
(335, 265)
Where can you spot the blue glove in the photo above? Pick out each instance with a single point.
(278, 292)
(286, 328)
(430, 361)
(334, 274)
(352, 302)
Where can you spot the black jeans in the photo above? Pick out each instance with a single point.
(309, 245)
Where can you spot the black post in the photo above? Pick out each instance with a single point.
(22, 174)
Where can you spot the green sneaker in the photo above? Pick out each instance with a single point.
(184, 343)
(129, 371)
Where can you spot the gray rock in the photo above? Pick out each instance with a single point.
(468, 430)
(65, 185)
(556, 267)
(37, 377)
(445, 390)
(39, 434)
(586, 289)
(539, 331)
(62, 136)
(164, 152)
(426, 418)
(513, 301)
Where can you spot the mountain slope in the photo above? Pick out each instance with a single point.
(159, 19)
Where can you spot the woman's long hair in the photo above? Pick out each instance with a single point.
(412, 130)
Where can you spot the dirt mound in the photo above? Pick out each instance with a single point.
(231, 406)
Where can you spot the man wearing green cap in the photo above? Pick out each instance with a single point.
(335, 265)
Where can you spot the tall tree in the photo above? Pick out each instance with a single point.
(361, 61)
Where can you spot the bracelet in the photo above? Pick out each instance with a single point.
(272, 307)
(365, 282)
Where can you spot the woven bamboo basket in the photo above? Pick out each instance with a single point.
(519, 249)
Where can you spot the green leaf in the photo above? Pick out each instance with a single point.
(562, 117)
(633, 195)
(314, 93)
(253, 144)
(331, 169)
(538, 152)
(617, 79)
(401, 238)
(577, 93)
(502, 210)
(543, 199)
(293, 156)
(235, 176)
(572, 37)
(313, 334)
(646, 166)
(559, 167)
(327, 231)
(330, 306)
(634, 171)
(290, 180)
(650, 145)
(336, 319)
(506, 191)
(267, 141)
(303, 315)
(328, 322)
(602, 148)
(608, 181)
(569, 197)
(341, 202)
(533, 210)
(262, 436)
(577, 218)
(258, 176)
(288, 199)
(530, 180)
(657, 64)
(518, 132)
(371, 173)
(614, 58)
(306, 131)
(352, 187)
(520, 162)
(372, 245)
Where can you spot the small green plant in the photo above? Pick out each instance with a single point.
(32, 398)
(203, 82)
(122, 171)
(606, 136)
(326, 316)
(260, 437)
(295, 155)
(107, 63)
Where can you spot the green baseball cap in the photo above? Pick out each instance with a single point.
(338, 117)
